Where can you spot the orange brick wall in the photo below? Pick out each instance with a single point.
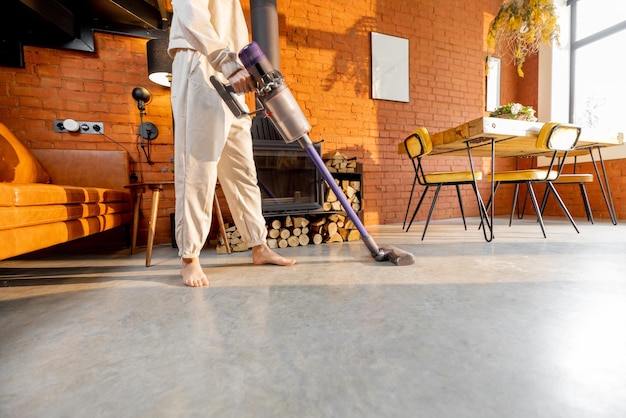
(325, 56)
(528, 86)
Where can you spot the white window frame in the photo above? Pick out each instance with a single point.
(554, 80)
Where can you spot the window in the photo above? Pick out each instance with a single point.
(597, 39)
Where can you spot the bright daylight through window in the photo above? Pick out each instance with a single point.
(597, 54)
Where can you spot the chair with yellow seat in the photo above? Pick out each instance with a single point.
(576, 179)
(418, 145)
(557, 139)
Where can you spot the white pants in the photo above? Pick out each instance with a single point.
(210, 144)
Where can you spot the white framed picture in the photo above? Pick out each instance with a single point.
(390, 67)
(492, 100)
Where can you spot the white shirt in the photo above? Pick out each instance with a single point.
(215, 28)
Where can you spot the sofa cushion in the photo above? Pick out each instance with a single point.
(17, 217)
(17, 164)
(16, 241)
(34, 194)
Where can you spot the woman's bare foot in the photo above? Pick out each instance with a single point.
(192, 273)
(262, 254)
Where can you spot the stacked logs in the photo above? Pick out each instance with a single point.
(352, 190)
(336, 227)
(339, 163)
(298, 231)
(234, 239)
(290, 232)
(301, 231)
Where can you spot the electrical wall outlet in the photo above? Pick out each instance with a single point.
(83, 127)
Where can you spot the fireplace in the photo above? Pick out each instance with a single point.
(289, 182)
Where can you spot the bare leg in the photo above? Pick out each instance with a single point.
(192, 273)
(262, 254)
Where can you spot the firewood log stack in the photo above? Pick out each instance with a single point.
(351, 188)
(338, 163)
(290, 232)
(335, 227)
(234, 238)
(298, 231)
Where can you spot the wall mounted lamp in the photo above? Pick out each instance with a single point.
(159, 62)
(147, 130)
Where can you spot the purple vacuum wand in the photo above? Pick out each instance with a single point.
(287, 117)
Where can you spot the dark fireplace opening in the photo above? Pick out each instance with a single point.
(288, 179)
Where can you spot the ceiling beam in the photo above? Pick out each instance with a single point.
(141, 11)
(54, 13)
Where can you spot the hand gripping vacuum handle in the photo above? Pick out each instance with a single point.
(227, 93)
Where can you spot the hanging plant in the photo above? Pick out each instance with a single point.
(520, 27)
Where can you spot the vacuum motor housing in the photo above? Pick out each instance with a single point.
(280, 105)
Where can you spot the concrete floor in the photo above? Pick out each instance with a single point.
(520, 327)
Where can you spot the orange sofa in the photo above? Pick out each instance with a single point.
(51, 196)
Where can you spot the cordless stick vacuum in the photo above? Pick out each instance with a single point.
(281, 107)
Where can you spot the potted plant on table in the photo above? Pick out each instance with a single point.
(515, 111)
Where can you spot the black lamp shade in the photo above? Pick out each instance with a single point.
(141, 95)
(159, 63)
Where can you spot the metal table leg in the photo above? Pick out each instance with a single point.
(604, 184)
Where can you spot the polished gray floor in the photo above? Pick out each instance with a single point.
(520, 327)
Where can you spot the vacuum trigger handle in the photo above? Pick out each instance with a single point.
(226, 92)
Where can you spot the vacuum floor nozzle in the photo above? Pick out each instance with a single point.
(395, 255)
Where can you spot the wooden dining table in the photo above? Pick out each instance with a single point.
(511, 138)
(501, 137)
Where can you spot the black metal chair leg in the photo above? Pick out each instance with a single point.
(432, 208)
(458, 193)
(408, 206)
(533, 198)
(583, 192)
(544, 199)
(558, 198)
(515, 194)
(419, 204)
(522, 210)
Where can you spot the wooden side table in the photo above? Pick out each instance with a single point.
(138, 190)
